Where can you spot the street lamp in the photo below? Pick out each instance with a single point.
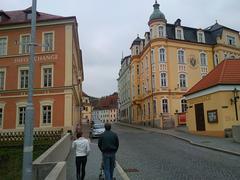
(234, 100)
(28, 127)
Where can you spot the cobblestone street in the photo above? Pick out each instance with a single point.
(153, 156)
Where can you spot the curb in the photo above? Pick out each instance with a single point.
(181, 138)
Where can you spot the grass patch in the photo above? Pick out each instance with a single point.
(11, 159)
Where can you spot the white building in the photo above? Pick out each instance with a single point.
(124, 90)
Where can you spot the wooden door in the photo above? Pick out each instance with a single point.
(199, 114)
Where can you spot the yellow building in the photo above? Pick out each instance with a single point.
(87, 109)
(169, 61)
(213, 103)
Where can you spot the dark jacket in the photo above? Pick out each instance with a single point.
(108, 142)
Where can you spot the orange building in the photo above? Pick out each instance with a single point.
(58, 71)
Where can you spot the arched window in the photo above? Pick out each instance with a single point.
(163, 79)
(162, 55)
(203, 59)
(180, 56)
(164, 105)
(184, 105)
(182, 79)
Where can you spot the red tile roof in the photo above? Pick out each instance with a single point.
(226, 73)
(19, 16)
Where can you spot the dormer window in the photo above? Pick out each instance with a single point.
(201, 37)
(179, 33)
(231, 40)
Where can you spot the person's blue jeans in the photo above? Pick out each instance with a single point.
(108, 164)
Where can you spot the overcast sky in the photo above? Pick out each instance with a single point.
(108, 27)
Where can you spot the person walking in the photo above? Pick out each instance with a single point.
(108, 144)
(82, 148)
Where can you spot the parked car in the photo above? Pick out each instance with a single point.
(96, 130)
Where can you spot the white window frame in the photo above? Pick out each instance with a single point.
(4, 80)
(168, 108)
(199, 33)
(42, 75)
(177, 29)
(186, 84)
(21, 44)
(6, 48)
(29, 16)
(200, 57)
(161, 34)
(44, 47)
(162, 55)
(18, 105)
(2, 106)
(166, 81)
(19, 76)
(181, 105)
(46, 103)
(178, 56)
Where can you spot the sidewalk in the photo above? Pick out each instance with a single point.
(226, 145)
(93, 162)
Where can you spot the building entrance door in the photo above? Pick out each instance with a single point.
(199, 114)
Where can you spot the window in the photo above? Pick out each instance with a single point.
(46, 114)
(138, 89)
(152, 56)
(182, 78)
(184, 105)
(3, 46)
(216, 60)
(203, 59)
(47, 75)
(137, 51)
(24, 44)
(164, 105)
(161, 31)
(231, 40)
(48, 42)
(29, 16)
(2, 79)
(151, 33)
(153, 82)
(23, 78)
(162, 55)
(21, 115)
(137, 69)
(201, 37)
(163, 78)
(1, 114)
(154, 106)
(144, 110)
(180, 56)
(179, 33)
(149, 109)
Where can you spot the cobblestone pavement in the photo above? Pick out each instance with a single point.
(220, 144)
(152, 156)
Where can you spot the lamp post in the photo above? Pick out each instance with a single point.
(28, 127)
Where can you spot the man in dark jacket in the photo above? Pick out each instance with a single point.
(108, 144)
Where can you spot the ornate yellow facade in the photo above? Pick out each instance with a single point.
(169, 61)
